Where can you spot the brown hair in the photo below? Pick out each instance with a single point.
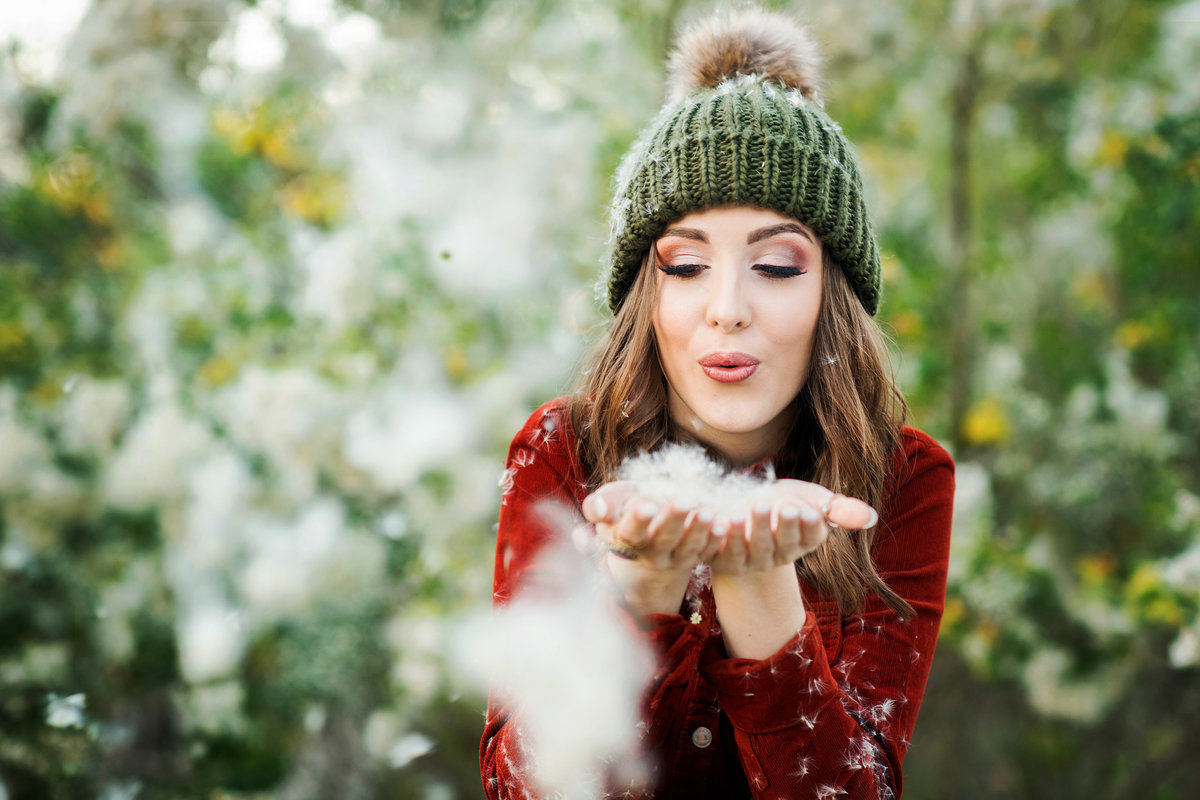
(847, 420)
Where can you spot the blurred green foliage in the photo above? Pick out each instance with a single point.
(266, 326)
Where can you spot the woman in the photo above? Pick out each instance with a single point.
(793, 636)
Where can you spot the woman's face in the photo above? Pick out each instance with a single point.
(738, 294)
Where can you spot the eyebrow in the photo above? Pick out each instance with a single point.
(755, 236)
(687, 233)
(776, 230)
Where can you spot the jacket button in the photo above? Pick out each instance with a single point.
(702, 737)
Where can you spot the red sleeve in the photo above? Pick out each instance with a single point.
(541, 488)
(830, 718)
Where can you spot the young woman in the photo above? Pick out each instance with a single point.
(793, 636)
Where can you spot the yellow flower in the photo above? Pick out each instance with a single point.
(986, 423)
(954, 612)
(1091, 291)
(1134, 334)
(217, 371)
(1095, 570)
(890, 268)
(71, 183)
(1143, 581)
(457, 363)
(1113, 148)
(906, 324)
(318, 198)
(12, 338)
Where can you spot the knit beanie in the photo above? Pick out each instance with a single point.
(743, 125)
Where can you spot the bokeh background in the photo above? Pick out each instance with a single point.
(279, 279)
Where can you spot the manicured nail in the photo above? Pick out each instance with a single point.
(738, 521)
(873, 521)
(809, 515)
(599, 507)
(647, 510)
(762, 509)
(721, 528)
(705, 516)
(789, 512)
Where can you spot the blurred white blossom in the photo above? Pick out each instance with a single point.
(155, 457)
(210, 644)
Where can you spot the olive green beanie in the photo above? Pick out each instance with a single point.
(745, 128)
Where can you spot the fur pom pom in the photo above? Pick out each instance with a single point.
(747, 42)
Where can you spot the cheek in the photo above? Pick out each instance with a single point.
(670, 327)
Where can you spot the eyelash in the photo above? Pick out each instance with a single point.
(768, 271)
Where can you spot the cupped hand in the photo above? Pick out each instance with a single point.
(794, 519)
(672, 536)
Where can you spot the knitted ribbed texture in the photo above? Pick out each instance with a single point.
(746, 142)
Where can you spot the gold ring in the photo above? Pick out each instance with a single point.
(825, 508)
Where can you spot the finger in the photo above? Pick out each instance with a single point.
(713, 540)
(605, 504)
(813, 530)
(731, 557)
(633, 528)
(695, 537)
(849, 512)
(840, 510)
(664, 533)
(787, 533)
(760, 547)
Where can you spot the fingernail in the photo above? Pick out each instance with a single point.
(705, 516)
(873, 521)
(789, 512)
(599, 507)
(762, 509)
(809, 515)
(720, 529)
(738, 521)
(647, 510)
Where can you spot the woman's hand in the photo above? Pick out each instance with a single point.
(794, 520)
(653, 547)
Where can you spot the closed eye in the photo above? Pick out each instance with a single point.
(776, 272)
(682, 270)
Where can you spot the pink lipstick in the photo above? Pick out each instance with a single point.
(728, 367)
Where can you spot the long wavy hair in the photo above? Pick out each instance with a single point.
(846, 420)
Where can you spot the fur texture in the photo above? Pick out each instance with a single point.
(750, 42)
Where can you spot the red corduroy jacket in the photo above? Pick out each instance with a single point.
(829, 715)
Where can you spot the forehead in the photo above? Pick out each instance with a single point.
(733, 219)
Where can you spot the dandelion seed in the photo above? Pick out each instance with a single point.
(810, 720)
(506, 479)
(880, 712)
(830, 360)
(818, 686)
(523, 457)
(825, 791)
(861, 754)
(802, 767)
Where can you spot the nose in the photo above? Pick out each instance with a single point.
(728, 305)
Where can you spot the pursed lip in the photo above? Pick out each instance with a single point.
(728, 367)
